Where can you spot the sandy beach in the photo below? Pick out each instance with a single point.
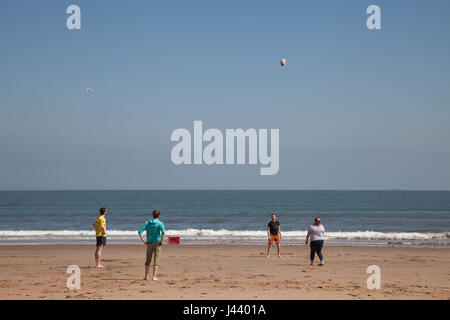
(224, 272)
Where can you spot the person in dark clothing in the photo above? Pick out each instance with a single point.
(274, 234)
(316, 232)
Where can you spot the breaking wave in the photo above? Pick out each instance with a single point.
(130, 236)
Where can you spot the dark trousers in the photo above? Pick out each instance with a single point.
(316, 247)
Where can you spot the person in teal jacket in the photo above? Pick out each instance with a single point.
(155, 234)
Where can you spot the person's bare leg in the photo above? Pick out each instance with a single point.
(98, 256)
(279, 250)
(155, 273)
(147, 268)
(100, 251)
(268, 250)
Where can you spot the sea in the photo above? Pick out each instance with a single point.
(353, 218)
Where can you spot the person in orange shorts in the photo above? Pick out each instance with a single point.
(274, 234)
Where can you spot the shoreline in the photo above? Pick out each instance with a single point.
(212, 236)
(224, 272)
(330, 243)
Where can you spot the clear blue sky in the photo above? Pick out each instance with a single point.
(356, 109)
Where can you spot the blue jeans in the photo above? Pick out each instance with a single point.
(316, 247)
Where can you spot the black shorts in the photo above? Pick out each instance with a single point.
(101, 241)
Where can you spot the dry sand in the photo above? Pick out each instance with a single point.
(224, 272)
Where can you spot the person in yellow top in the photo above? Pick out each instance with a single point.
(100, 232)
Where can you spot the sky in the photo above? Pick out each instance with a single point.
(357, 109)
